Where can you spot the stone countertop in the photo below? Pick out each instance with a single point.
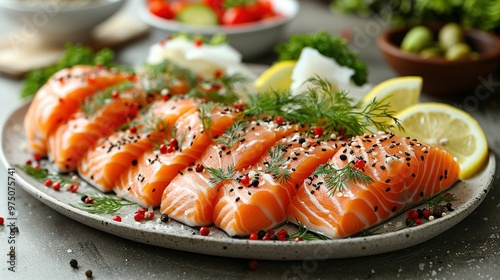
(48, 240)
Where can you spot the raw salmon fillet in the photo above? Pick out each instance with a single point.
(242, 210)
(144, 183)
(404, 171)
(190, 197)
(104, 162)
(104, 114)
(61, 97)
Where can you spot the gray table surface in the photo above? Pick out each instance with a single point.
(47, 240)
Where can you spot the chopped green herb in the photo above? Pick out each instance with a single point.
(220, 174)
(306, 234)
(102, 204)
(336, 179)
(43, 174)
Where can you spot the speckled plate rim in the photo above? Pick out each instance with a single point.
(470, 194)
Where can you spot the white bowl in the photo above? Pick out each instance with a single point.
(55, 22)
(251, 40)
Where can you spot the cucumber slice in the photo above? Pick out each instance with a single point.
(198, 13)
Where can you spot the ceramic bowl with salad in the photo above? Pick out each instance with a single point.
(253, 27)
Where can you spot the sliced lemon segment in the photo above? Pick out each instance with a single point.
(277, 77)
(449, 128)
(399, 92)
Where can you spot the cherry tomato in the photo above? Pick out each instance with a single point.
(217, 6)
(160, 8)
(237, 15)
(262, 10)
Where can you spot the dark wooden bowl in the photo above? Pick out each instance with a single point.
(443, 77)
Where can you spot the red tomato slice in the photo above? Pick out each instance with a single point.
(160, 9)
(238, 15)
(264, 9)
(217, 6)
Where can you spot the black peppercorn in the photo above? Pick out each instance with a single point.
(164, 218)
(73, 263)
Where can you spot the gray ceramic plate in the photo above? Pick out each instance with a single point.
(390, 236)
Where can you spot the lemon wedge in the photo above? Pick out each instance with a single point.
(450, 129)
(277, 77)
(400, 92)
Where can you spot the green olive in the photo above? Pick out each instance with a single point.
(450, 34)
(431, 52)
(458, 51)
(416, 39)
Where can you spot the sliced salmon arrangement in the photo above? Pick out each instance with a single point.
(402, 173)
(105, 161)
(62, 96)
(190, 197)
(242, 209)
(144, 182)
(71, 140)
(202, 162)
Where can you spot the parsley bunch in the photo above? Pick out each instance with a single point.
(328, 45)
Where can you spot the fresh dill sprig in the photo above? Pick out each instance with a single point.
(305, 234)
(380, 230)
(273, 103)
(97, 101)
(322, 104)
(377, 114)
(217, 175)
(276, 164)
(102, 204)
(42, 174)
(336, 179)
(206, 117)
(440, 199)
(221, 90)
(233, 134)
(156, 77)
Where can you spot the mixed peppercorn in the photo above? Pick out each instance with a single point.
(438, 206)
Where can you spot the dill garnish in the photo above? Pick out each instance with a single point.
(102, 204)
(221, 90)
(321, 104)
(42, 174)
(336, 179)
(217, 175)
(276, 164)
(233, 134)
(164, 75)
(97, 101)
(439, 200)
(305, 234)
(206, 117)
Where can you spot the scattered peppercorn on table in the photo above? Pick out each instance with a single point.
(49, 245)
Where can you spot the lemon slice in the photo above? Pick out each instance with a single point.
(450, 129)
(277, 77)
(400, 92)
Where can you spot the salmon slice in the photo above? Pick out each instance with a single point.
(242, 210)
(104, 162)
(61, 97)
(402, 173)
(103, 114)
(190, 197)
(144, 183)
